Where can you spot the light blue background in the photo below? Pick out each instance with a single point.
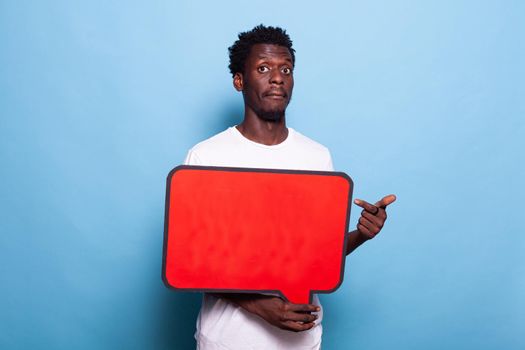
(100, 99)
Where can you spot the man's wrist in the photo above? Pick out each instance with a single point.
(361, 237)
(355, 239)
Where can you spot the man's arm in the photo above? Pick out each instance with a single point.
(276, 311)
(370, 223)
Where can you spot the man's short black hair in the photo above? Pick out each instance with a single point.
(261, 34)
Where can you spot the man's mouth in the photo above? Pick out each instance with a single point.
(275, 95)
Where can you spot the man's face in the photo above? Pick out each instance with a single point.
(267, 82)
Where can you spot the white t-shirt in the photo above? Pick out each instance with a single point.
(222, 325)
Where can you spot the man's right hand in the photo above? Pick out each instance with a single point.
(276, 311)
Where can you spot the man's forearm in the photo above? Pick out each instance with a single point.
(355, 239)
(275, 311)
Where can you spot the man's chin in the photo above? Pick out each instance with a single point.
(271, 116)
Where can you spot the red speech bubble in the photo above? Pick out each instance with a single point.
(256, 230)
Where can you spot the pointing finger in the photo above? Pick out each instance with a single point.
(372, 209)
(387, 200)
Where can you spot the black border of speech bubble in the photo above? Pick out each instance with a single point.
(252, 170)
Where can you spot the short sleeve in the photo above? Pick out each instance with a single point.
(329, 164)
(192, 159)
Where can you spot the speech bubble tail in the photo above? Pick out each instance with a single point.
(298, 296)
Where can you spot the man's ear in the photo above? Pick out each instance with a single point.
(238, 82)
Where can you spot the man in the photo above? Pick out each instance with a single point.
(262, 62)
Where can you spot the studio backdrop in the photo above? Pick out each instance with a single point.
(99, 100)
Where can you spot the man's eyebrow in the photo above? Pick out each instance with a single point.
(262, 57)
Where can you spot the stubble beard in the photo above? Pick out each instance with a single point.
(273, 115)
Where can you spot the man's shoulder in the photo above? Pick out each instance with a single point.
(217, 140)
(212, 150)
(304, 141)
(310, 154)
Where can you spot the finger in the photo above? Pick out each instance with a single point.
(302, 307)
(298, 326)
(366, 206)
(365, 231)
(300, 317)
(370, 226)
(386, 200)
(378, 219)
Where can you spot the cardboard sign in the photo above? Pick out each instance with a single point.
(256, 230)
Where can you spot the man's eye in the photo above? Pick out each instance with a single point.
(263, 69)
(287, 70)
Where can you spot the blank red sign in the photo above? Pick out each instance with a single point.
(256, 230)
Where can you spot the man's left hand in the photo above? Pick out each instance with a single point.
(373, 217)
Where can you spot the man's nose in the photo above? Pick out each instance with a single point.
(276, 77)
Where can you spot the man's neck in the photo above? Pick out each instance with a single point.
(262, 131)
